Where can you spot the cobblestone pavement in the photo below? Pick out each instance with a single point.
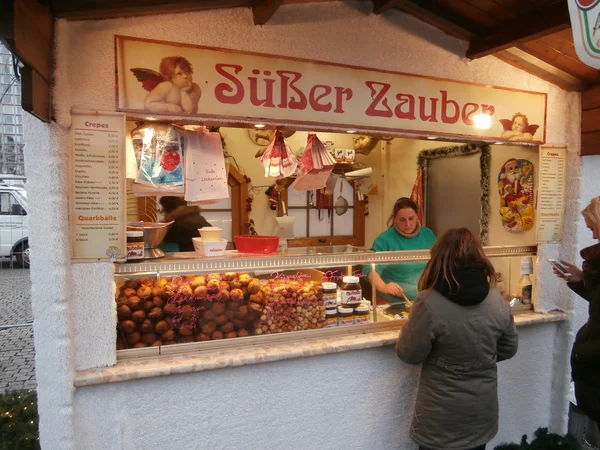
(17, 366)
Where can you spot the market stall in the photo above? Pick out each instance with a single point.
(208, 355)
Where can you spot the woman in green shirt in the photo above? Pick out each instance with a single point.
(404, 232)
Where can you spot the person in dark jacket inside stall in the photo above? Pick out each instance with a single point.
(585, 356)
(187, 220)
(459, 328)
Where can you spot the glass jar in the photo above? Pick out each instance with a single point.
(345, 316)
(135, 245)
(330, 295)
(361, 314)
(351, 292)
(330, 318)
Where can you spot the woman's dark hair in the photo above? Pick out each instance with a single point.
(170, 203)
(456, 248)
(402, 203)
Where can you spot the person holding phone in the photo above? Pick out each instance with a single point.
(585, 356)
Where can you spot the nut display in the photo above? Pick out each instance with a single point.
(169, 310)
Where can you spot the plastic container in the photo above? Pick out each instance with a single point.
(345, 316)
(361, 314)
(210, 234)
(330, 318)
(351, 292)
(330, 295)
(256, 244)
(204, 248)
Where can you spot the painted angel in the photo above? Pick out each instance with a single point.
(518, 128)
(173, 89)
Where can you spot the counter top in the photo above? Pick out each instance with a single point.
(255, 354)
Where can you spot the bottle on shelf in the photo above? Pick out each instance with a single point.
(525, 285)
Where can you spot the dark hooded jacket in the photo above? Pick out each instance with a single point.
(187, 221)
(585, 356)
(458, 334)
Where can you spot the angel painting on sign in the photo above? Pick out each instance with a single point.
(518, 129)
(173, 89)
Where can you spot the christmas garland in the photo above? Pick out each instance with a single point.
(484, 163)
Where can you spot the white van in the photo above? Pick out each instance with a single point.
(14, 224)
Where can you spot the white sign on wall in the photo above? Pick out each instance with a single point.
(551, 194)
(230, 86)
(97, 210)
(585, 23)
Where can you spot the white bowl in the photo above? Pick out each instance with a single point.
(211, 248)
(210, 234)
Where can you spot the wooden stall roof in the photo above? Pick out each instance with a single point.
(533, 35)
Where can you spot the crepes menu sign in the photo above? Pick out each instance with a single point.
(551, 194)
(97, 197)
(155, 77)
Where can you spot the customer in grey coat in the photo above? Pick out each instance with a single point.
(459, 327)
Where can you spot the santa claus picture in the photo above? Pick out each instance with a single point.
(515, 186)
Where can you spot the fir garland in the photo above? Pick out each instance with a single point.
(544, 441)
(19, 421)
(484, 163)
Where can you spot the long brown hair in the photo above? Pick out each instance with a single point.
(455, 248)
(402, 203)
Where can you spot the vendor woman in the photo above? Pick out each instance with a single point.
(404, 233)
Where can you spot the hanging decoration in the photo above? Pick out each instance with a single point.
(315, 166)
(516, 187)
(278, 159)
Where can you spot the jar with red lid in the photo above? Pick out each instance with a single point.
(351, 292)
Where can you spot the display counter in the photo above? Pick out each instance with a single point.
(184, 303)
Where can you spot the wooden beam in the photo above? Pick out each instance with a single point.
(36, 94)
(526, 27)
(263, 10)
(590, 120)
(590, 99)
(381, 6)
(105, 9)
(590, 143)
(440, 17)
(541, 69)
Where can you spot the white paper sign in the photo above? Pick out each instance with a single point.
(98, 212)
(551, 194)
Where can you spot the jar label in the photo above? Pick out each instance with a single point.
(135, 250)
(361, 319)
(331, 322)
(526, 295)
(329, 300)
(351, 297)
(343, 321)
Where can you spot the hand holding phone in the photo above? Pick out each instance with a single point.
(562, 270)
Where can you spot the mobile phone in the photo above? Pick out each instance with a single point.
(558, 266)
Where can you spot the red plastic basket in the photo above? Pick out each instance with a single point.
(256, 244)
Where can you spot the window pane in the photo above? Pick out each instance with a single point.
(222, 220)
(296, 198)
(344, 225)
(300, 222)
(319, 227)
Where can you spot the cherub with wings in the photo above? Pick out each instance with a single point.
(518, 129)
(173, 89)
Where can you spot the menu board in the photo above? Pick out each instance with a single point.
(98, 210)
(551, 193)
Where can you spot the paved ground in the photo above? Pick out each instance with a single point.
(17, 367)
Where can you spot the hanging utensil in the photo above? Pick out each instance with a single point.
(341, 204)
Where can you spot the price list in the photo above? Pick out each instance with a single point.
(551, 194)
(98, 189)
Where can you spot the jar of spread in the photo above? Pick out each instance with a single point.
(361, 314)
(330, 318)
(135, 245)
(345, 316)
(330, 295)
(351, 292)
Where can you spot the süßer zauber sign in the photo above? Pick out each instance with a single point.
(155, 77)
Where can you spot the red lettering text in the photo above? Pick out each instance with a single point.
(223, 89)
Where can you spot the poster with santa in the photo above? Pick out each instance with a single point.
(516, 187)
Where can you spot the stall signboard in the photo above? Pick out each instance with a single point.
(234, 87)
(585, 23)
(97, 210)
(551, 194)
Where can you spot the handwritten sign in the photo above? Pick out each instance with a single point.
(97, 200)
(233, 86)
(551, 194)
